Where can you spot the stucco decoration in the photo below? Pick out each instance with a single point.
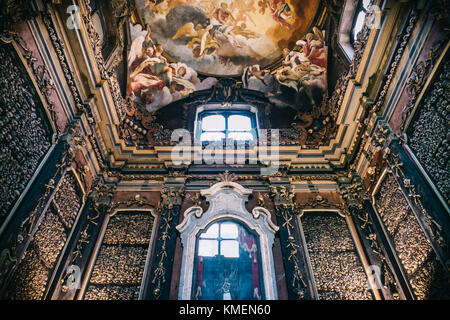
(227, 202)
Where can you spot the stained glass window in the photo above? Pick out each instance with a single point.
(227, 264)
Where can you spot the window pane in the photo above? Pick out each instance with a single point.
(229, 248)
(359, 23)
(211, 232)
(228, 231)
(212, 136)
(213, 123)
(240, 135)
(207, 248)
(239, 123)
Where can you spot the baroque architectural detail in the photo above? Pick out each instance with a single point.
(428, 134)
(47, 241)
(227, 202)
(283, 199)
(59, 47)
(394, 65)
(409, 241)
(25, 137)
(417, 80)
(334, 258)
(120, 264)
(169, 208)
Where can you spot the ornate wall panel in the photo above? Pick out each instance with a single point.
(429, 136)
(423, 272)
(298, 279)
(121, 261)
(25, 134)
(337, 268)
(31, 278)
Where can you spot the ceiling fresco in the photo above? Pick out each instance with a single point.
(222, 37)
(163, 67)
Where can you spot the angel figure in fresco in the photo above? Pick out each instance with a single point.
(184, 79)
(303, 76)
(305, 70)
(150, 72)
(314, 48)
(281, 11)
(222, 20)
(143, 83)
(202, 43)
(256, 79)
(242, 8)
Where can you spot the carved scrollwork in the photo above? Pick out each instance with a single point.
(283, 199)
(396, 60)
(169, 207)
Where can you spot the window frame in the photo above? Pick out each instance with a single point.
(346, 26)
(227, 202)
(226, 114)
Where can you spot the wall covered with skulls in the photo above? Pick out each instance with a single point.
(87, 212)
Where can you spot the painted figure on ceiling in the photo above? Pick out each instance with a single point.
(223, 37)
(314, 48)
(301, 81)
(143, 81)
(280, 10)
(153, 81)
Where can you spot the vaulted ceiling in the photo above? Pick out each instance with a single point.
(264, 29)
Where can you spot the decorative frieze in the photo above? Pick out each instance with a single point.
(417, 79)
(406, 35)
(59, 47)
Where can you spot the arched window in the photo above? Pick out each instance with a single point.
(227, 263)
(227, 251)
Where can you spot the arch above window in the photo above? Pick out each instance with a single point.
(227, 207)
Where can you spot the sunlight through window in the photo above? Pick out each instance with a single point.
(238, 126)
